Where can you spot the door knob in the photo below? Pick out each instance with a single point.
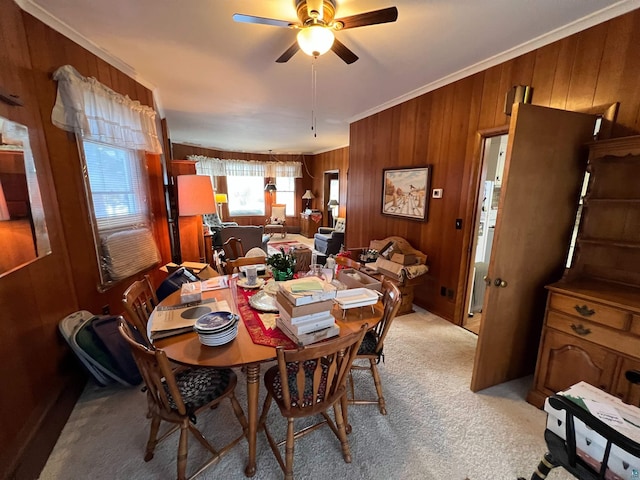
(498, 282)
(487, 280)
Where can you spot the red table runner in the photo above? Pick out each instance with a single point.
(259, 334)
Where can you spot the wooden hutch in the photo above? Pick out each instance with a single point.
(591, 329)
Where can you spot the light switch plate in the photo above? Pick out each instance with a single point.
(436, 193)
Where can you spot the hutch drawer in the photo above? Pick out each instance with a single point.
(590, 310)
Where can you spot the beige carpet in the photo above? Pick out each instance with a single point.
(436, 427)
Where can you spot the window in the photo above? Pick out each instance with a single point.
(285, 193)
(246, 195)
(116, 186)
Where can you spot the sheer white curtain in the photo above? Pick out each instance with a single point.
(94, 111)
(217, 167)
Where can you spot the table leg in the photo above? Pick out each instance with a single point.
(253, 388)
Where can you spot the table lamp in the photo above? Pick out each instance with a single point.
(308, 196)
(221, 199)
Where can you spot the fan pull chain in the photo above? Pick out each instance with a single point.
(313, 98)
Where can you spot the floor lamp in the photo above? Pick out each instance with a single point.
(195, 198)
(221, 199)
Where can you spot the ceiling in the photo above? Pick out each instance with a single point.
(217, 83)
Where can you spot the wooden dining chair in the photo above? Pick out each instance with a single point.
(347, 262)
(233, 248)
(139, 300)
(371, 349)
(316, 378)
(233, 265)
(178, 397)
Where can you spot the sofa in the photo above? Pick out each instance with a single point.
(330, 240)
(250, 235)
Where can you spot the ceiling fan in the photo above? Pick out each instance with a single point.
(317, 25)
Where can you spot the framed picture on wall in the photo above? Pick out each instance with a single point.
(405, 192)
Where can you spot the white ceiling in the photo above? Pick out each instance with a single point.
(218, 85)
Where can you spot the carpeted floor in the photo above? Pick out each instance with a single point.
(436, 427)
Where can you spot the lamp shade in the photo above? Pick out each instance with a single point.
(270, 187)
(4, 209)
(315, 40)
(195, 195)
(308, 195)
(333, 203)
(221, 198)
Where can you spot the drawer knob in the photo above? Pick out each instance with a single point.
(580, 330)
(584, 310)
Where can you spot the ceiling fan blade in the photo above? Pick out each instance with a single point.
(289, 52)
(239, 17)
(343, 52)
(374, 17)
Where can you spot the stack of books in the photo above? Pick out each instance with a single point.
(305, 306)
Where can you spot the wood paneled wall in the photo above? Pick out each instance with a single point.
(180, 152)
(49, 50)
(329, 161)
(600, 65)
(41, 379)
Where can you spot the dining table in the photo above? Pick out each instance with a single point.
(186, 349)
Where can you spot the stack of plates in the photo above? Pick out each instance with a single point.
(217, 328)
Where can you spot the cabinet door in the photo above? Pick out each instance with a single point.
(625, 390)
(566, 360)
(542, 178)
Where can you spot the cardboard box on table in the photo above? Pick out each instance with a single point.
(354, 279)
(404, 258)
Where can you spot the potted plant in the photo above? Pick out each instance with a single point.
(282, 265)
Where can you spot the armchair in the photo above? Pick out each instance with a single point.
(276, 222)
(329, 240)
(212, 220)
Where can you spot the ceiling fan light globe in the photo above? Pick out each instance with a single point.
(315, 40)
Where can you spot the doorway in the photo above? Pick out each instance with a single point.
(494, 153)
(331, 197)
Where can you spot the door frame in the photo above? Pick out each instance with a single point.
(471, 240)
(327, 176)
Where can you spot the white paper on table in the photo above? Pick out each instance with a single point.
(214, 283)
(604, 412)
(172, 317)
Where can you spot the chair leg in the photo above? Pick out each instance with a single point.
(342, 434)
(351, 385)
(183, 449)
(288, 470)
(265, 410)
(376, 380)
(544, 467)
(153, 438)
(343, 403)
(237, 409)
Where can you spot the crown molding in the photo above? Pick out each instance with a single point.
(61, 27)
(612, 11)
